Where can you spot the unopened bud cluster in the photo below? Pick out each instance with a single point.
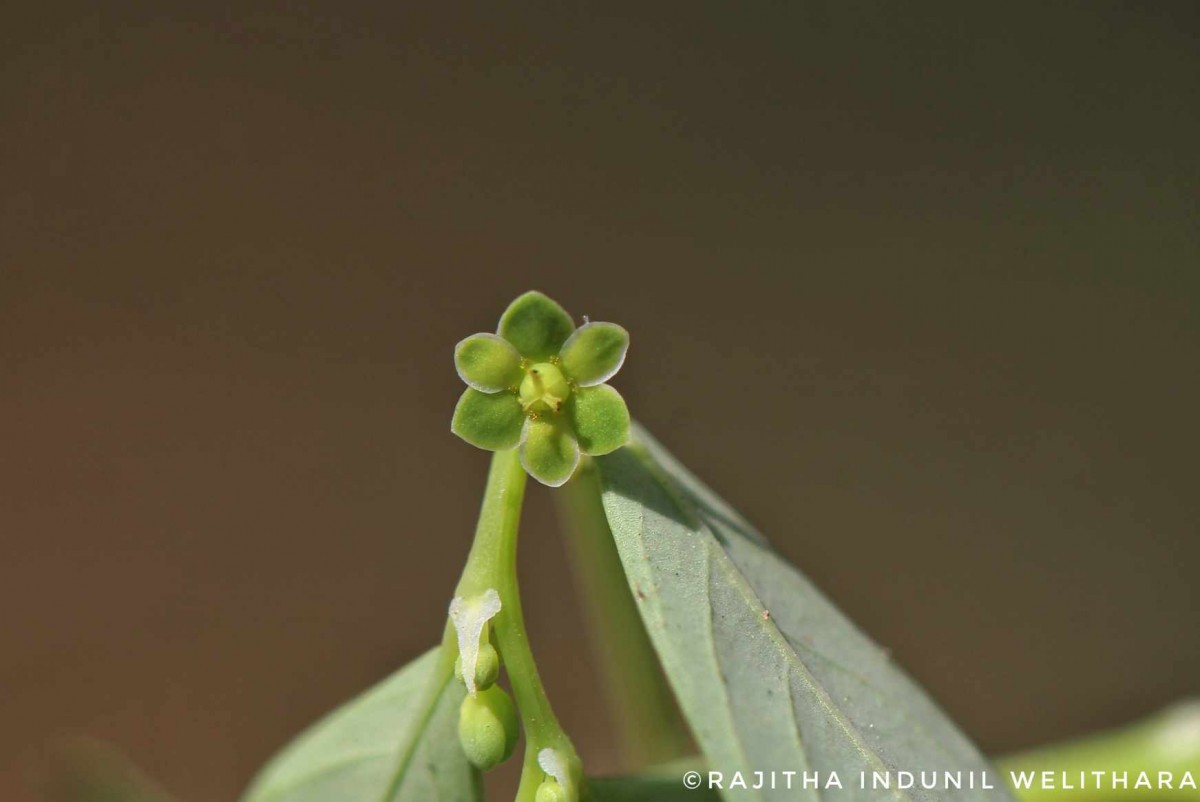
(487, 719)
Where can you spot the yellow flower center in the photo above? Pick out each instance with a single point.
(544, 389)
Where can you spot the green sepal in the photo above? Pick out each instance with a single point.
(488, 362)
(491, 421)
(536, 325)
(549, 452)
(594, 353)
(600, 419)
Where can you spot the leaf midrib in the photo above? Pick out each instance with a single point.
(421, 724)
(777, 638)
(915, 723)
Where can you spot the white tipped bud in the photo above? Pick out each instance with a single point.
(487, 667)
(469, 617)
(555, 764)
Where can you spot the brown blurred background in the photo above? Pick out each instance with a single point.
(914, 288)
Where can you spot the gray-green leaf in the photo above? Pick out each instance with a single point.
(770, 675)
(354, 753)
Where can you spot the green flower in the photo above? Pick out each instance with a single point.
(539, 383)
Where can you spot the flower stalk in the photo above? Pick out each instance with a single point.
(649, 725)
(492, 565)
(537, 397)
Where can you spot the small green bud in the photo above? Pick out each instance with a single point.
(550, 791)
(544, 388)
(487, 667)
(487, 727)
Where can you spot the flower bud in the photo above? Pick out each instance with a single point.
(550, 791)
(470, 618)
(487, 727)
(561, 774)
(487, 667)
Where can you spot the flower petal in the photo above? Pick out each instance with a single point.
(600, 419)
(491, 421)
(536, 325)
(548, 450)
(594, 353)
(488, 362)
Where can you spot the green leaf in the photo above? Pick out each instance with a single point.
(488, 420)
(355, 753)
(536, 325)
(549, 452)
(488, 362)
(769, 674)
(594, 353)
(1167, 741)
(648, 788)
(600, 419)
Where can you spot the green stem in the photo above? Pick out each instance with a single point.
(648, 722)
(1168, 741)
(492, 563)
